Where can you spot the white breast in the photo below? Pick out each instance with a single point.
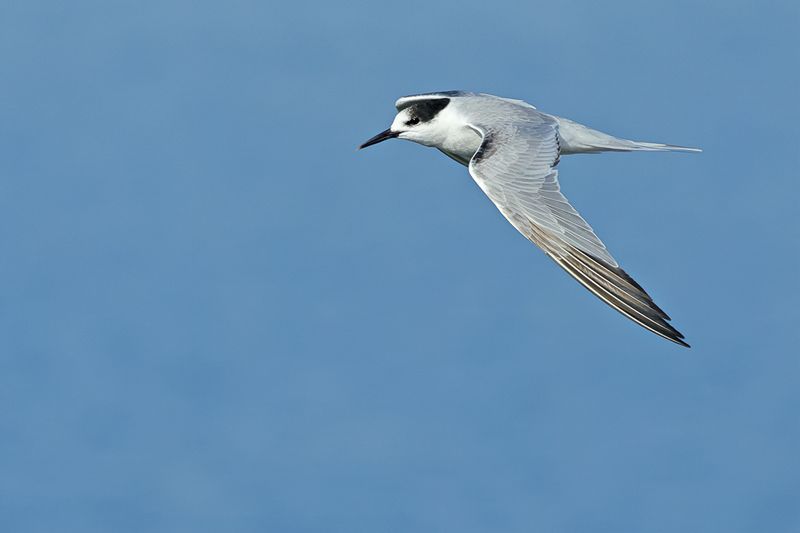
(460, 141)
(462, 144)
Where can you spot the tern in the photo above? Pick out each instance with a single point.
(512, 150)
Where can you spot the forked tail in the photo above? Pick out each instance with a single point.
(578, 139)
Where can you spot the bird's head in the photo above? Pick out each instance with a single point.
(418, 119)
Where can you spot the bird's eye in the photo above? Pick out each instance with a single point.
(412, 121)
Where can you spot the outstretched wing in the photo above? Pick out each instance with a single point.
(515, 167)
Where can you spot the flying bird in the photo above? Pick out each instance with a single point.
(512, 151)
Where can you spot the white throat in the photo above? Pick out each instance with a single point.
(448, 132)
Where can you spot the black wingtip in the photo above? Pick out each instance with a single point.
(676, 336)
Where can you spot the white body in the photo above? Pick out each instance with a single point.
(452, 134)
(512, 151)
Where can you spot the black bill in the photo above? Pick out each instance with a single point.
(382, 136)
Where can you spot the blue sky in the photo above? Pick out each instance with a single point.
(216, 315)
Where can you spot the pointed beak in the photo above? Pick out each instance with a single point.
(382, 136)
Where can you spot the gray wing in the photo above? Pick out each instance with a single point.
(515, 167)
